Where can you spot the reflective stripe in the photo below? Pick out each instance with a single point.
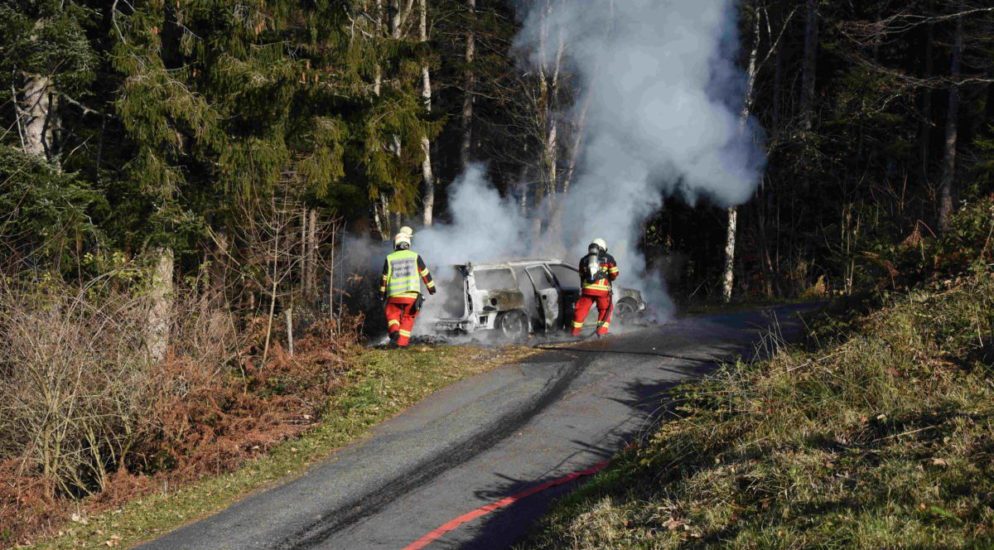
(393, 322)
(404, 332)
(604, 324)
(599, 285)
(577, 325)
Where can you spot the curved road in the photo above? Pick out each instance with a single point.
(479, 441)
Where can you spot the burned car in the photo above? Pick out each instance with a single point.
(517, 298)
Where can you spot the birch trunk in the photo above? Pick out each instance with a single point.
(304, 267)
(36, 118)
(385, 218)
(378, 72)
(548, 93)
(574, 156)
(289, 329)
(810, 65)
(395, 19)
(312, 254)
(426, 172)
(331, 271)
(728, 280)
(469, 83)
(946, 190)
(160, 311)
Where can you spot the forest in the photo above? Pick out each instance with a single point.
(193, 183)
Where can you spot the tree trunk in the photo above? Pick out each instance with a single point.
(810, 66)
(574, 155)
(161, 306)
(312, 254)
(777, 115)
(395, 20)
(548, 94)
(946, 189)
(378, 72)
(469, 83)
(36, 117)
(989, 115)
(331, 270)
(385, 217)
(426, 172)
(925, 136)
(289, 329)
(304, 267)
(728, 280)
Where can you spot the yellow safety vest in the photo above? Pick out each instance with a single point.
(402, 273)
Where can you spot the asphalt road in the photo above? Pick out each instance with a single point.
(479, 441)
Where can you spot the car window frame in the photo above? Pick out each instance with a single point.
(574, 270)
(550, 277)
(508, 269)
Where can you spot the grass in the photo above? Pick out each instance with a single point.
(383, 384)
(882, 437)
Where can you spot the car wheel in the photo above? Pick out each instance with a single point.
(625, 312)
(512, 325)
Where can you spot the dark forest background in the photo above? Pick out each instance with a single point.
(195, 130)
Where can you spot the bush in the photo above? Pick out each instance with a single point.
(86, 412)
(76, 385)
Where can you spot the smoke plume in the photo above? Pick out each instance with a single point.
(663, 115)
(661, 91)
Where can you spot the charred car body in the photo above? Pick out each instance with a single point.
(516, 298)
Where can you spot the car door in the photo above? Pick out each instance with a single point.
(568, 279)
(546, 295)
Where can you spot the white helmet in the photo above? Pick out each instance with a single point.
(406, 231)
(600, 243)
(402, 240)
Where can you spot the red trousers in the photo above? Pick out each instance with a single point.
(400, 318)
(604, 309)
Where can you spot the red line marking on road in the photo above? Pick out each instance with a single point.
(454, 524)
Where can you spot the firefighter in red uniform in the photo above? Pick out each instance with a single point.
(597, 270)
(403, 272)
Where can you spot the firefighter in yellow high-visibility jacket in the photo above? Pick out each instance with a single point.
(403, 272)
(598, 270)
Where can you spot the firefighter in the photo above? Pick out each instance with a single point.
(597, 270)
(400, 290)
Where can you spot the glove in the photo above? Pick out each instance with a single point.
(432, 291)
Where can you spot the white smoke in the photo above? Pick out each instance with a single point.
(484, 225)
(662, 119)
(663, 111)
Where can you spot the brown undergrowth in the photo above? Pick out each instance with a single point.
(88, 422)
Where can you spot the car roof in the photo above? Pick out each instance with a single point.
(515, 263)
